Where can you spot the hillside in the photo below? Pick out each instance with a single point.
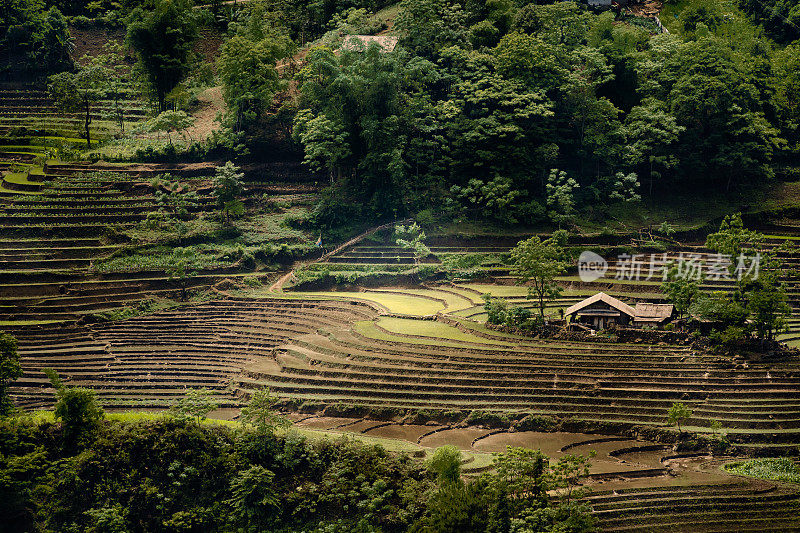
(368, 261)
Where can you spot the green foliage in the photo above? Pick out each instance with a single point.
(775, 469)
(196, 404)
(680, 289)
(78, 92)
(227, 188)
(412, 238)
(502, 314)
(678, 414)
(539, 262)
(492, 200)
(168, 474)
(259, 413)
(77, 408)
(446, 464)
(768, 305)
(734, 240)
(560, 196)
(169, 122)
(324, 142)
(719, 308)
(35, 40)
(254, 501)
(625, 188)
(247, 66)
(162, 37)
(10, 370)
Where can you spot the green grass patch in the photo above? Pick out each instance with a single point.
(27, 322)
(20, 178)
(774, 468)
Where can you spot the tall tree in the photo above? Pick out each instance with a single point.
(427, 26)
(77, 92)
(650, 133)
(324, 142)
(162, 37)
(77, 408)
(768, 305)
(539, 262)
(113, 81)
(680, 290)
(227, 189)
(247, 67)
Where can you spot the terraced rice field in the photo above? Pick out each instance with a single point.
(55, 242)
(31, 110)
(151, 361)
(422, 348)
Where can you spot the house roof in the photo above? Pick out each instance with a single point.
(386, 42)
(606, 299)
(649, 312)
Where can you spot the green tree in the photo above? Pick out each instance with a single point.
(112, 519)
(539, 262)
(173, 197)
(254, 501)
(196, 403)
(678, 414)
(494, 199)
(728, 138)
(680, 289)
(719, 308)
(625, 188)
(324, 141)
(34, 39)
(76, 407)
(227, 189)
(768, 305)
(412, 238)
(77, 92)
(10, 370)
(259, 413)
(427, 26)
(163, 36)
(446, 464)
(113, 80)
(560, 196)
(650, 133)
(734, 241)
(567, 475)
(179, 268)
(522, 472)
(247, 69)
(169, 122)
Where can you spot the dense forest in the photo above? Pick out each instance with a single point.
(504, 110)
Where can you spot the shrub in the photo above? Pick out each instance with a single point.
(537, 423)
(484, 418)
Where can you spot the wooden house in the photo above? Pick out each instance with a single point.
(601, 311)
